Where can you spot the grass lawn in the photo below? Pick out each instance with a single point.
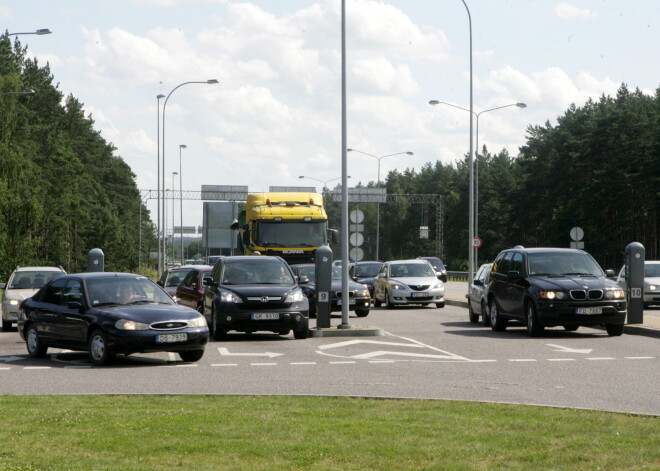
(315, 433)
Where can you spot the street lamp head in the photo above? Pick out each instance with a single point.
(409, 153)
(160, 95)
(434, 102)
(212, 81)
(43, 31)
(521, 105)
(183, 146)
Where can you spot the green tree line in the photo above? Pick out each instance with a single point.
(63, 188)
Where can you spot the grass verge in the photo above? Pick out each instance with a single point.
(315, 433)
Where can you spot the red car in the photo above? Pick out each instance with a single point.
(190, 292)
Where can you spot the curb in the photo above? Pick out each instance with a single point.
(351, 331)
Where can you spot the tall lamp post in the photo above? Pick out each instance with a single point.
(209, 82)
(174, 174)
(379, 158)
(476, 161)
(158, 180)
(181, 146)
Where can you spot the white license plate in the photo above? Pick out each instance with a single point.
(171, 338)
(350, 302)
(422, 294)
(589, 310)
(265, 316)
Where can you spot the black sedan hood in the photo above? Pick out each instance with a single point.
(567, 283)
(148, 313)
(260, 290)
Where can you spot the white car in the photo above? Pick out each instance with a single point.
(22, 284)
(402, 282)
(651, 282)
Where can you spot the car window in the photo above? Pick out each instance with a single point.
(516, 263)
(190, 278)
(72, 292)
(501, 264)
(563, 263)
(53, 292)
(652, 270)
(119, 290)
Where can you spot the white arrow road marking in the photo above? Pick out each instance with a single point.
(224, 351)
(559, 348)
(378, 342)
(380, 353)
(10, 358)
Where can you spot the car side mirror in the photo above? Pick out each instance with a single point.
(209, 282)
(354, 278)
(160, 283)
(478, 283)
(303, 280)
(3, 285)
(610, 273)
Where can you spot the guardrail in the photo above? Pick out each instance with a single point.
(457, 275)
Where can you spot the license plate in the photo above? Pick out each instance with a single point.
(265, 316)
(589, 310)
(171, 338)
(423, 294)
(350, 302)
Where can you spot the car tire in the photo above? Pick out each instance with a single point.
(440, 305)
(300, 334)
(34, 346)
(534, 327)
(614, 330)
(362, 312)
(472, 316)
(99, 351)
(388, 303)
(6, 326)
(497, 323)
(218, 334)
(284, 332)
(485, 318)
(191, 355)
(571, 328)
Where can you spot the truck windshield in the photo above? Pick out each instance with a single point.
(291, 234)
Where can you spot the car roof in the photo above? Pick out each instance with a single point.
(414, 260)
(544, 249)
(56, 269)
(188, 268)
(101, 275)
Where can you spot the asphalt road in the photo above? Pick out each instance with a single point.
(426, 353)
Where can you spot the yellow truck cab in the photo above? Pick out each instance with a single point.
(289, 225)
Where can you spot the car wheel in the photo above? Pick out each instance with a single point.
(192, 355)
(534, 327)
(34, 346)
(377, 303)
(440, 305)
(485, 318)
(571, 328)
(284, 332)
(496, 322)
(218, 333)
(99, 353)
(362, 312)
(388, 303)
(614, 330)
(474, 318)
(300, 334)
(6, 326)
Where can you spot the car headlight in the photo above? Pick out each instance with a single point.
(550, 295)
(229, 297)
(13, 302)
(198, 322)
(653, 287)
(396, 286)
(437, 285)
(125, 324)
(614, 294)
(294, 297)
(364, 293)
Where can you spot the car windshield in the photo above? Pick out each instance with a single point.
(367, 269)
(174, 278)
(435, 261)
(103, 291)
(652, 270)
(562, 264)
(256, 272)
(412, 270)
(32, 279)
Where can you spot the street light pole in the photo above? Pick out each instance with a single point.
(181, 146)
(378, 204)
(210, 82)
(158, 203)
(476, 161)
(173, 211)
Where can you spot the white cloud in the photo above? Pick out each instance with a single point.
(568, 12)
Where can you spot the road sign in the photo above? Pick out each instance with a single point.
(356, 239)
(357, 216)
(577, 233)
(476, 242)
(356, 254)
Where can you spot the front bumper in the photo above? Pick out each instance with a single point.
(359, 303)
(145, 341)
(553, 314)
(230, 317)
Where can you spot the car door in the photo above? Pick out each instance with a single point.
(380, 282)
(72, 319)
(499, 280)
(186, 290)
(44, 313)
(517, 286)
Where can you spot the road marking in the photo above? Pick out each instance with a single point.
(601, 358)
(263, 364)
(377, 342)
(10, 358)
(639, 358)
(559, 348)
(178, 365)
(347, 362)
(522, 359)
(224, 364)
(5, 368)
(302, 363)
(224, 351)
(561, 359)
(37, 367)
(378, 353)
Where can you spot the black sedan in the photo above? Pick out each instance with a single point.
(107, 314)
(255, 293)
(359, 297)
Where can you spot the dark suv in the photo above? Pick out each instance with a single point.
(548, 287)
(254, 293)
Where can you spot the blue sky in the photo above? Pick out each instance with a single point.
(276, 113)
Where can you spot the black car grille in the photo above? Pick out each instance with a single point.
(419, 287)
(581, 294)
(169, 325)
(351, 294)
(258, 303)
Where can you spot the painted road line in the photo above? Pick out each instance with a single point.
(561, 359)
(522, 359)
(298, 363)
(224, 364)
(601, 358)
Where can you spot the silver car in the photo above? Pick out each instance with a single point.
(22, 284)
(402, 282)
(651, 282)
